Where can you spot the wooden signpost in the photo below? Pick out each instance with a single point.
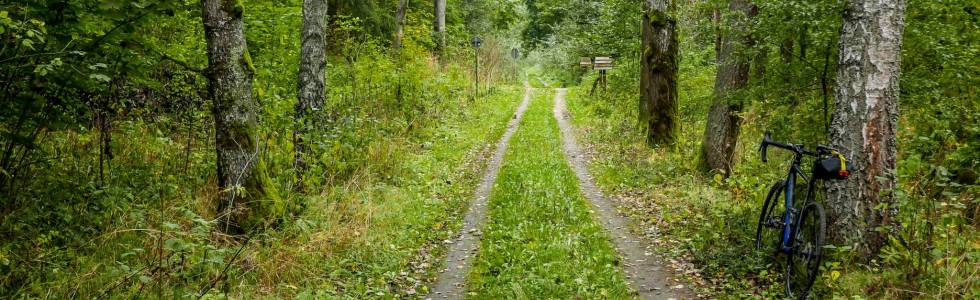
(585, 62)
(602, 64)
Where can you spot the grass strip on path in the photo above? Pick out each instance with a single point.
(541, 241)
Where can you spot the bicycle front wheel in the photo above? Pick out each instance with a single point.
(803, 263)
(768, 229)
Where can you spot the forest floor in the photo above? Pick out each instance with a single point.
(550, 232)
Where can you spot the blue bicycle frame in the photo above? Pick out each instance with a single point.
(786, 246)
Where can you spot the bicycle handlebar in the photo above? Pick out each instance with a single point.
(798, 149)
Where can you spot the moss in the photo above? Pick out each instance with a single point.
(266, 207)
(234, 7)
(263, 207)
(659, 18)
(248, 61)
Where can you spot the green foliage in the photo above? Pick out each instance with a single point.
(107, 162)
(108, 157)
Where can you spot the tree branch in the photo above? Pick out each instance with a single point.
(183, 64)
(147, 11)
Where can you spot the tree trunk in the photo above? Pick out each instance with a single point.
(312, 85)
(721, 131)
(759, 63)
(804, 35)
(247, 196)
(399, 24)
(658, 79)
(786, 57)
(865, 120)
(440, 27)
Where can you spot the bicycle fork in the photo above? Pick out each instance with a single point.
(785, 244)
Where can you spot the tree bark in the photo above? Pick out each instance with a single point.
(721, 131)
(312, 84)
(399, 24)
(786, 54)
(804, 40)
(247, 196)
(440, 27)
(865, 120)
(658, 79)
(759, 63)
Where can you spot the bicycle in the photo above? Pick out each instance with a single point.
(801, 227)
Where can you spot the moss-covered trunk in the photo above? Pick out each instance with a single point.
(658, 79)
(247, 199)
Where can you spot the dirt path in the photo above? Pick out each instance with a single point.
(452, 281)
(646, 274)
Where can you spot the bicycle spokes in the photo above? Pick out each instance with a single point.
(804, 261)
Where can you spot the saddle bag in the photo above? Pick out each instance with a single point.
(832, 167)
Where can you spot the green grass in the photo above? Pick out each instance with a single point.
(540, 241)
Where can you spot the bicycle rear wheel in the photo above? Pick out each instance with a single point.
(768, 229)
(803, 263)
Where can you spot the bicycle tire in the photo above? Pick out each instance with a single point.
(803, 264)
(771, 202)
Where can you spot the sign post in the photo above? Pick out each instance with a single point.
(602, 64)
(476, 42)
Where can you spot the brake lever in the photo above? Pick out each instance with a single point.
(766, 138)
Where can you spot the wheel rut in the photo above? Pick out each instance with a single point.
(451, 283)
(642, 267)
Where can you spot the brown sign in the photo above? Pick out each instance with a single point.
(603, 63)
(585, 62)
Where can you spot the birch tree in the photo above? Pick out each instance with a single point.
(312, 86)
(400, 24)
(439, 26)
(864, 122)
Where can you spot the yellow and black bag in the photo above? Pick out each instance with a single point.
(831, 167)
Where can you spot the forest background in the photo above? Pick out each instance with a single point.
(108, 176)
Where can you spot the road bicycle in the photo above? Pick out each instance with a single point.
(800, 225)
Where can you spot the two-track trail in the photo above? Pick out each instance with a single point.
(543, 230)
(646, 275)
(451, 282)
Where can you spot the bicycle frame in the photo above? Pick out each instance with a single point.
(786, 243)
